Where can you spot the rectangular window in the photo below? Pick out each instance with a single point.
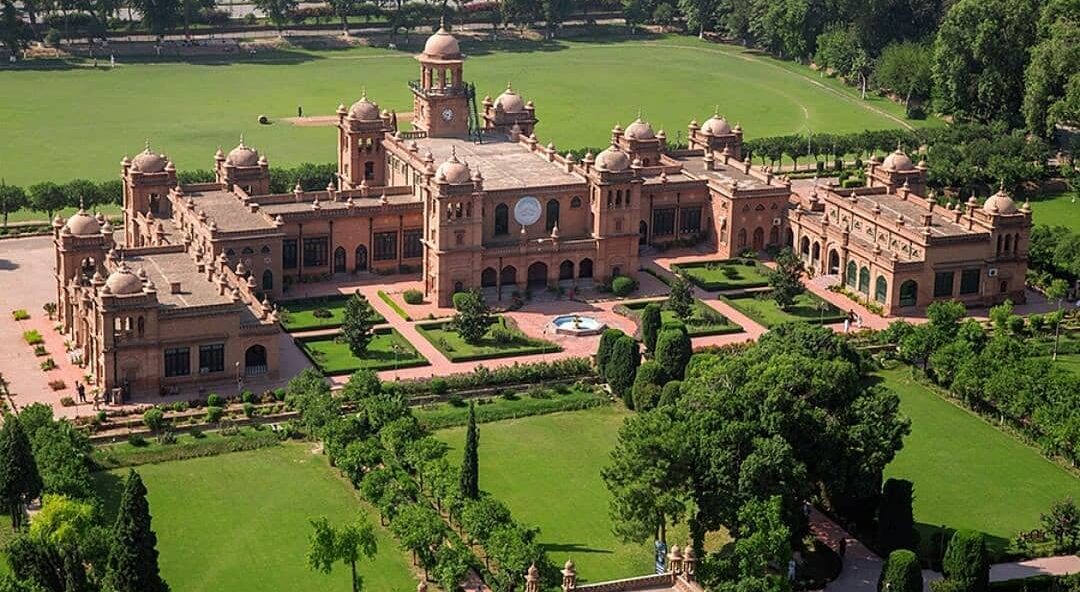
(177, 361)
(315, 251)
(288, 253)
(211, 358)
(411, 247)
(943, 281)
(969, 281)
(664, 222)
(690, 220)
(385, 246)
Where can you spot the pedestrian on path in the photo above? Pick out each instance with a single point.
(80, 388)
(299, 111)
(842, 547)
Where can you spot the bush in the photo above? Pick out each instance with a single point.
(622, 366)
(671, 392)
(650, 325)
(52, 38)
(896, 519)
(249, 410)
(247, 397)
(967, 562)
(621, 286)
(196, 433)
(154, 419)
(39, 350)
(33, 337)
(67, 402)
(20, 314)
(58, 385)
(439, 386)
(901, 573)
(673, 350)
(214, 414)
(413, 297)
(213, 400)
(136, 440)
(504, 335)
(603, 350)
(647, 388)
(48, 364)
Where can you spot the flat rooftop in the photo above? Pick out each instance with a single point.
(166, 268)
(504, 164)
(725, 174)
(913, 211)
(228, 211)
(305, 206)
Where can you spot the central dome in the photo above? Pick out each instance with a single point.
(1000, 203)
(243, 155)
(442, 45)
(510, 101)
(83, 224)
(454, 171)
(123, 281)
(612, 159)
(717, 126)
(640, 130)
(898, 161)
(364, 110)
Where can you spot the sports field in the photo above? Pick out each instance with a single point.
(1059, 210)
(240, 522)
(969, 474)
(88, 119)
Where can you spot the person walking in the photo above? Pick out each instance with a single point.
(299, 111)
(80, 388)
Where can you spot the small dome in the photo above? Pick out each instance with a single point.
(612, 159)
(717, 126)
(364, 110)
(569, 565)
(453, 170)
(898, 161)
(243, 155)
(1000, 203)
(510, 101)
(148, 162)
(123, 281)
(442, 45)
(83, 224)
(640, 130)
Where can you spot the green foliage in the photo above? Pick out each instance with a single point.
(673, 350)
(763, 541)
(358, 324)
(603, 349)
(681, 300)
(901, 573)
(389, 300)
(472, 318)
(648, 385)
(784, 279)
(896, 518)
(420, 530)
(967, 562)
(133, 557)
(650, 325)
(20, 481)
(154, 419)
(327, 545)
(470, 465)
(412, 296)
(1052, 86)
(906, 69)
(1062, 522)
(621, 286)
(671, 392)
(12, 199)
(621, 367)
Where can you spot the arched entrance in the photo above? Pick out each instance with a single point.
(909, 293)
(864, 280)
(566, 270)
(643, 234)
(834, 262)
(759, 239)
(774, 235)
(804, 247)
(585, 268)
(268, 280)
(339, 260)
(255, 360)
(361, 259)
(538, 273)
(789, 238)
(508, 277)
(881, 289)
(488, 278)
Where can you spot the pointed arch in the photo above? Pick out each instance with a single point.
(552, 214)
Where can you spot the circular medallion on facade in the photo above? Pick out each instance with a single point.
(527, 211)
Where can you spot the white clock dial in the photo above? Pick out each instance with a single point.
(448, 114)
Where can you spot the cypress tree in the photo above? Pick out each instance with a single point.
(133, 557)
(896, 519)
(967, 562)
(622, 366)
(650, 325)
(901, 573)
(470, 464)
(673, 350)
(603, 350)
(20, 481)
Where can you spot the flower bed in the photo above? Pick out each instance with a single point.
(450, 344)
(726, 274)
(332, 356)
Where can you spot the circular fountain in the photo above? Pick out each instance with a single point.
(577, 325)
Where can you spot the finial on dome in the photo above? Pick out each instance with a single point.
(453, 154)
(147, 144)
(442, 23)
(242, 139)
(508, 86)
(82, 205)
(716, 110)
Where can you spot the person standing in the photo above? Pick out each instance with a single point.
(299, 111)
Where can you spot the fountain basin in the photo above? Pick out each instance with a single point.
(578, 325)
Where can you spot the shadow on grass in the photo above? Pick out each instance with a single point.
(109, 488)
(571, 548)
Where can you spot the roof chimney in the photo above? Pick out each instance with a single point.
(174, 287)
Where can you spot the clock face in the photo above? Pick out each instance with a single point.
(448, 114)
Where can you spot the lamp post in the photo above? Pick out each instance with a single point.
(239, 380)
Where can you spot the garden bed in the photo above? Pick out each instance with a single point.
(726, 274)
(498, 406)
(807, 308)
(450, 344)
(704, 320)
(332, 356)
(323, 312)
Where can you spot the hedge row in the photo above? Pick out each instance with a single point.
(534, 373)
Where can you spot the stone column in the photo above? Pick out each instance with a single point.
(569, 576)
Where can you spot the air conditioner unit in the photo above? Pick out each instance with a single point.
(776, 221)
(992, 272)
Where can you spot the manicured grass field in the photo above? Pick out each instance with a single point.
(1070, 362)
(1059, 210)
(240, 522)
(451, 345)
(729, 274)
(333, 357)
(807, 307)
(704, 321)
(188, 109)
(536, 401)
(547, 470)
(301, 314)
(969, 474)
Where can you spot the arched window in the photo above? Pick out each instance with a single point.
(742, 239)
(265, 249)
(552, 214)
(488, 277)
(502, 219)
(909, 293)
(774, 235)
(881, 289)
(339, 260)
(864, 280)
(537, 275)
(566, 270)
(851, 277)
(1008, 243)
(815, 253)
(268, 280)
(508, 276)
(255, 360)
(142, 326)
(360, 264)
(804, 246)
(585, 268)
(575, 202)
(247, 251)
(618, 198)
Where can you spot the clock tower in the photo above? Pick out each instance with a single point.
(440, 101)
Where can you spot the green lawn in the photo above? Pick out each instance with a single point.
(704, 321)
(333, 357)
(969, 474)
(547, 470)
(1070, 362)
(763, 309)
(1059, 210)
(188, 109)
(240, 522)
(535, 401)
(728, 274)
(300, 315)
(451, 345)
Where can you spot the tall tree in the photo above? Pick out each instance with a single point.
(673, 350)
(470, 464)
(12, 199)
(901, 572)
(47, 197)
(907, 69)
(421, 530)
(650, 325)
(698, 14)
(159, 16)
(967, 562)
(278, 12)
(681, 299)
(1053, 71)
(358, 323)
(132, 565)
(896, 520)
(20, 482)
(327, 545)
(622, 365)
(473, 317)
(785, 278)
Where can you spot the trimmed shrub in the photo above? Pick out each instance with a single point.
(622, 367)
(603, 350)
(896, 519)
(413, 296)
(33, 337)
(650, 325)
(154, 419)
(622, 286)
(213, 400)
(647, 388)
(901, 573)
(20, 314)
(671, 392)
(214, 414)
(48, 364)
(673, 350)
(967, 561)
(249, 410)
